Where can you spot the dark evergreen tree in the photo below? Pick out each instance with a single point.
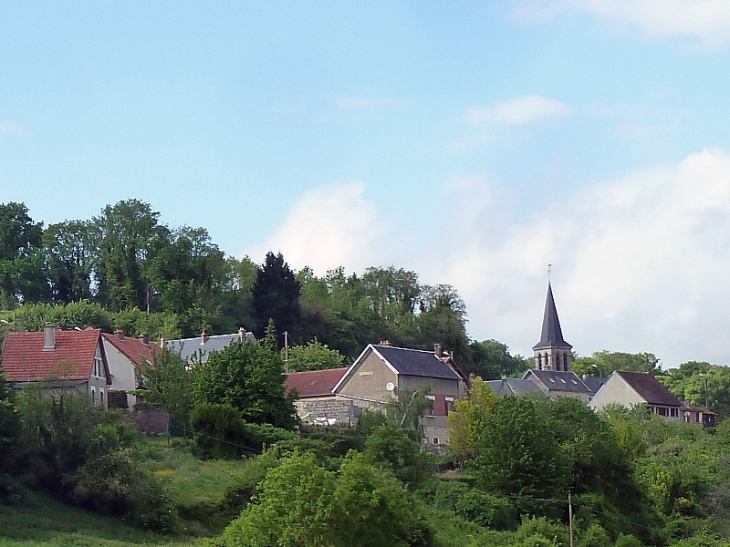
(276, 296)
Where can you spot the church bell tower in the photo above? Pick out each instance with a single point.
(552, 352)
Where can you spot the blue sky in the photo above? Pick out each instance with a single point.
(472, 142)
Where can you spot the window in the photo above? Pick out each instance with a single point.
(562, 380)
(435, 440)
(97, 366)
(552, 380)
(93, 396)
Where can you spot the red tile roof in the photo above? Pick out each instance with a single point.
(314, 383)
(24, 360)
(132, 348)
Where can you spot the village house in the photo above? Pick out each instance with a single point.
(637, 388)
(125, 355)
(64, 360)
(196, 350)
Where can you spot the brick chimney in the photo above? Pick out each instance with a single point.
(144, 338)
(385, 342)
(437, 350)
(119, 333)
(242, 334)
(203, 337)
(49, 337)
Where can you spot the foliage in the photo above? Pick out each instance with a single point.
(518, 456)
(544, 530)
(167, 383)
(249, 377)
(604, 363)
(473, 504)
(491, 360)
(312, 356)
(390, 446)
(112, 482)
(219, 431)
(276, 296)
(701, 384)
(467, 420)
(9, 432)
(300, 504)
(20, 243)
(406, 411)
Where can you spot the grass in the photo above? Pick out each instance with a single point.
(42, 521)
(197, 487)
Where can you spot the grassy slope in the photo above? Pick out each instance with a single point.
(196, 487)
(41, 521)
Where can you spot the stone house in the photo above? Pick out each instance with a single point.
(382, 372)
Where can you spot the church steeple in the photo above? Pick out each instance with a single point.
(552, 352)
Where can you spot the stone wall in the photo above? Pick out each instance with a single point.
(327, 412)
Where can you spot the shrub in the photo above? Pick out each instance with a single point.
(220, 432)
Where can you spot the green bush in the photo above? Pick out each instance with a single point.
(219, 431)
(474, 505)
(539, 529)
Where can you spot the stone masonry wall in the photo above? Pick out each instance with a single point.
(342, 412)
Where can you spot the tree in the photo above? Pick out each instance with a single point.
(390, 446)
(312, 356)
(167, 383)
(491, 360)
(22, 272)
(128, 234)
(518, 456)
(468, 419)
(603, 363)
(301, 504)
(276, 296)
(9, 429)
(250, 377)
(443, 320)
(71, 256)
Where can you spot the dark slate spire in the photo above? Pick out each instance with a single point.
(551, 335)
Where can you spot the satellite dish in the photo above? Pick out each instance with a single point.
(390, 386)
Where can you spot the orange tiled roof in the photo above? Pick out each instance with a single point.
(315, 382)
(24, 360)
(132, 348)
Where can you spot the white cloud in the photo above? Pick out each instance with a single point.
(11, 128)
(707, 20)
(328, 227)
(517, 111)
(639, 263)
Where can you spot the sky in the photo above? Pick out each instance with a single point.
(472, 142)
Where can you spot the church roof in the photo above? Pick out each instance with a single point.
(552, 335)
(557, 380)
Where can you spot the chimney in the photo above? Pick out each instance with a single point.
(49, 337)
(203, 337)
(242, 334)
(162, 343)
(437, 350)
(119, 333)
(385, 342)
(143, 338)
